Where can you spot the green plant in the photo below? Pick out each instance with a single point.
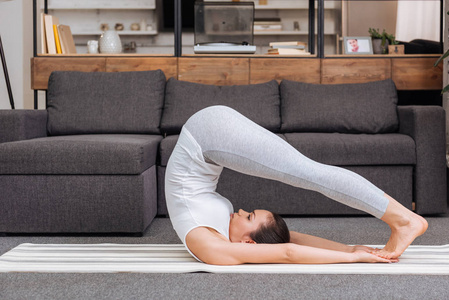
(442, 57)
(392, 39)
(375, 34)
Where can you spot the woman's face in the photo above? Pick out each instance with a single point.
(242, 223)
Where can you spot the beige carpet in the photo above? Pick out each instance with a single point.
(164, 258)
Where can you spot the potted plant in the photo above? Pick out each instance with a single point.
(380, 41)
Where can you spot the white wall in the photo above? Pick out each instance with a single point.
(16, 29)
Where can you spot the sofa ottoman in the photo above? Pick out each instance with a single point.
(91, 165)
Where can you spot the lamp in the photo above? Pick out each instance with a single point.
(5, 69)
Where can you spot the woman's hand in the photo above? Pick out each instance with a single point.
(362, 256)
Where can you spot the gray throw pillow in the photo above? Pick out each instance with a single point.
(346, 108)
(258, 102)
(100, 102)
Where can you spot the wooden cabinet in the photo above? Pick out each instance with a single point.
(41, 68)
(266, 69)
(409, 73)
(348, 70)
(169, 65)
(417, 74)
(208, 70)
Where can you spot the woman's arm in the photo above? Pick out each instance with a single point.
(317, 242)
(212, 249)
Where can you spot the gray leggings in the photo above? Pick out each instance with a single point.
(229, 139)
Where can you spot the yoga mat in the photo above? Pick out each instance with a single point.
(166, 258)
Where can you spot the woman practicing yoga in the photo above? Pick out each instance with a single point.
(218, 137)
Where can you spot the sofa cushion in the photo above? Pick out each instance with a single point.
(355, 149)
(98, 102)
(80, 154)
(346, 108)
(258, 102)
(169, 143)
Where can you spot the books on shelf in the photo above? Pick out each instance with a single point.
(49, 20)
(66, 38)
(288, 48)
(56, 38)
(287, 51)
(43, 35)
(293, 43)
(57, 42)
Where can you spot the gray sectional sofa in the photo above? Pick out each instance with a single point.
(94, 160)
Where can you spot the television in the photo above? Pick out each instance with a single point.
(187, 14)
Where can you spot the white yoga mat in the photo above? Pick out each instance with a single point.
(144, 258)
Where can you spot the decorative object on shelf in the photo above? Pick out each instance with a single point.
(263, 2)
(394, 48)
(110, 42)
(296, 26)
(130, 48)
(379, 40)
(149, 27)
(143, 25)
(135, 26)
(358, 45)
(104, 27)
(119, 26)
(92, 47)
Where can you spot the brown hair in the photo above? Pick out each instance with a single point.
(273, 232)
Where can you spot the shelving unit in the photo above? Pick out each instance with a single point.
(298, 11)
(85, 18)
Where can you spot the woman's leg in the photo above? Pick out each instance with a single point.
(229, 139)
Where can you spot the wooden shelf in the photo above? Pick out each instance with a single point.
(251, 55)
(382, 56)
(409, 72)
(101, 4)
(102, 8)
(105, 55)
(288, 32)
(124, 32)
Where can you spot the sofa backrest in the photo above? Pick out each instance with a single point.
(99, 102)
(258, 102)
(345, 108)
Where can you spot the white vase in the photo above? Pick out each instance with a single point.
(110, 42)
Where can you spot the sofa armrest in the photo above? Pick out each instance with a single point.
(16, 125)
(426, 125)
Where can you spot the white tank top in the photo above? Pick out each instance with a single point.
(190, 184)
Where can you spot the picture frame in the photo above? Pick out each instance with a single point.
(358, 45)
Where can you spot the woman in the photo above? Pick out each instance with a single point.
(218, 137)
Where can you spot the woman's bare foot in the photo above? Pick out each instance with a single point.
(402, 236)
(405, 226)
